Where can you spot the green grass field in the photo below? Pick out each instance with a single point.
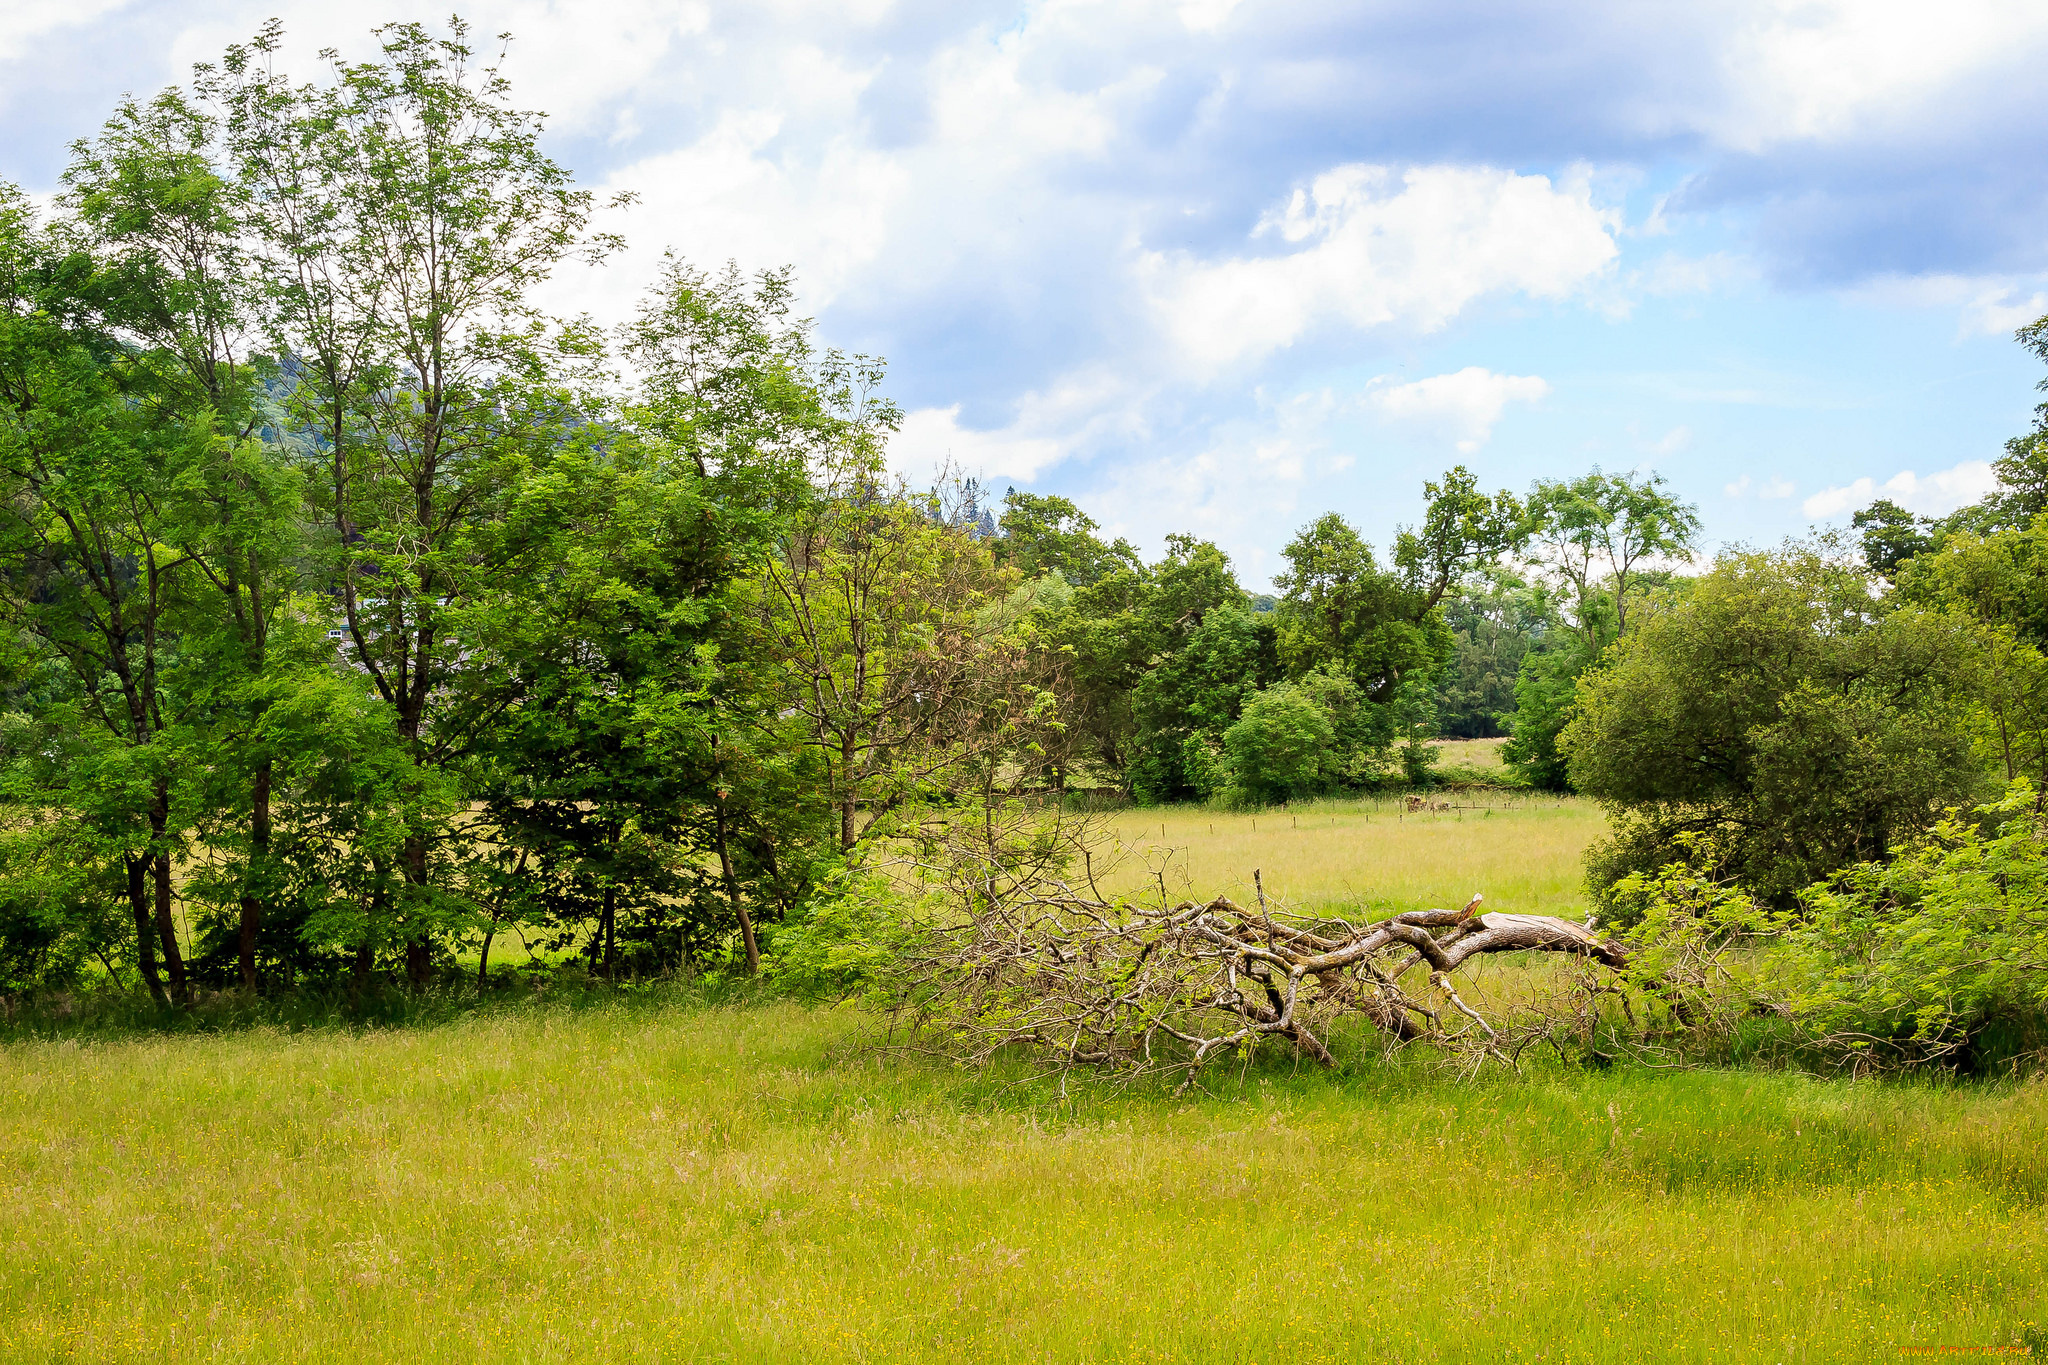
(654, 1179)
(1370, 856)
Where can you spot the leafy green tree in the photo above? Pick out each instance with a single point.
(1099, 646)
(93, 442)
(1047, 534)
(1278, 745)
(405, 216)
(1340, 610)
(1463, 531)
(1998, 579)
(887, 633)
(1777, 709)
(1597, 531)
(1931, 952)
(1891, 535)
(1206, 654)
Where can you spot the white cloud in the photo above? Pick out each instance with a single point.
(1772, 489)
(1984, 305)
(932, 440)
(1819, 68)
(1670, 443)
(1999, 311)
(1367, 246)
(1464, 405)
(1936, 495)
(24, 21)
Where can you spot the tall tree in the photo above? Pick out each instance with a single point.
(406, 217)
(93, 441)
(1597, 530)
(1341, 611)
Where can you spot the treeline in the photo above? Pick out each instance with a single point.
(358, 611)
(1179, 685)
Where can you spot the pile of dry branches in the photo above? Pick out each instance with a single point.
(1030, 958)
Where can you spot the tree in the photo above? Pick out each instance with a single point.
(2000, 581)
(1046, 534)
(1496, 620)
(1099, 646)
(1204, 654)
(158, 204)
(1340, 610)
(1891, 536)
(887, 632)
(1595, 532)
(405, 216)
(1780, 710)
(1462, 531)
(92, 444)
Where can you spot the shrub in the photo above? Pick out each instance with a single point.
(1278, 746)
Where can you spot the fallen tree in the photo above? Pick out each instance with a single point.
(1026, 957)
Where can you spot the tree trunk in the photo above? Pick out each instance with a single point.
(849, 795)
(419, 949)
(259, 860)
(419, 961)
(611, 907)
(167, 930)
(732, 892)
(145, 929)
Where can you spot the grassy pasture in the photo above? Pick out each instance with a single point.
(655, 1179)
(677, 1183)
(1372, 856)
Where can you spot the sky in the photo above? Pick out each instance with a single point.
(1222, 266)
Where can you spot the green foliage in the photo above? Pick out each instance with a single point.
(1998, 579)
(1935, 951)
(1208, 653)
(1546, 688)
(1891, 535)
(1495, 621)
(1046, 534)
(1778, 707)
(1598, 532)
(1463, 531)
(1415, 722)
(1341, 611)
(1279, 745)
(846, 941)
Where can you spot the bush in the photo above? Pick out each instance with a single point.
(845, 941)
(1780, 708)
(1278, 746)
(1938, 955)
(1931, 954)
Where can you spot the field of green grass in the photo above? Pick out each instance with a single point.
(1370, 856)
(655, 1179)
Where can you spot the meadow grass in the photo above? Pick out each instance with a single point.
(657, 1178)
(686, 1183)
(1369, 857)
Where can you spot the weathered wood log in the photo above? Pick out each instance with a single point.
(1108, 982)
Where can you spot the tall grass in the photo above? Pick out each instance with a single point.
(687, 1183)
